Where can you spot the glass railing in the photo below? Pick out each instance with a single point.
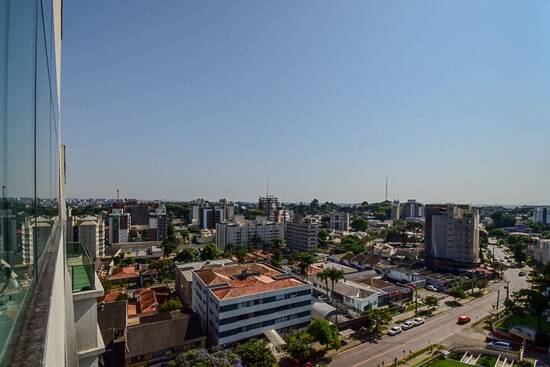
(81, 267)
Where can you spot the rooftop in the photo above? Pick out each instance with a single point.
(246, 279)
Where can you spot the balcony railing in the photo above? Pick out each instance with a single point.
(81, 267)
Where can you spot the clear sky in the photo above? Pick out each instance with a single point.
(174, 99)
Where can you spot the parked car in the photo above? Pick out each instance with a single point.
(409, 324)
(394, 331)
(431, 288)
(418, 321)
(521, 274)
(464, 319)
(499, 345)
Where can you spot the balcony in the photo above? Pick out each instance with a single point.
(81, 267)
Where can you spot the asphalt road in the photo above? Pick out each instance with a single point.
(435, 330)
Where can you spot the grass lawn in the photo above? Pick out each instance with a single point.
(487, 361)
(446, 363)
(527, 320)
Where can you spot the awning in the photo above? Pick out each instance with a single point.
(274, 337)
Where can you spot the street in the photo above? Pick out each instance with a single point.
(435, 330)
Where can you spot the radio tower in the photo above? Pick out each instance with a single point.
(386, 187)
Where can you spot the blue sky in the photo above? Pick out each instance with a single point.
(181, 99)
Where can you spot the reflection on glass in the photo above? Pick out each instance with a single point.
(28, 153)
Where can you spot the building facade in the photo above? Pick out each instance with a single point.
(339, 221)
(541, 215)
(158, 224)
(540, 250)
(302, 234)
(239, 302)
(119, 226)
(244, 232)
(207, 214)
(269, 205)
(451, 236)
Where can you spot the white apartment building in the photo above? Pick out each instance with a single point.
(91, 233)
(302, 234)
(540, 250)
(31, 238)
(339, 221)
(237, 302)
(243, 232)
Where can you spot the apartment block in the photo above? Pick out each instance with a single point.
(451, 236)
(248, 232)
(119, 226)
(302, 234)
(158, 224)
(207, 214)
(339, 221)
(269, 205)
(35, 233)
(541, 215)
(239, 302)
(540, 250)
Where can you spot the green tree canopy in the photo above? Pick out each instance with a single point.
(171, 305)
(187, 255)
(210, 252)
(298, 346)
(255, 353)
(360, 225)
(324, 332)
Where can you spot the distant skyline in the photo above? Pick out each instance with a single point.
(176, 100)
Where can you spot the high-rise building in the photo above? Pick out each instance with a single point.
(451, 236)
(206, 214)
(8, 230)
(49, 290)
(158, 224)
(339, 221)
(411, 209)
(91, 234)
(540, 250)
(119, 226)
(254, 233)
(395, 210)
(541, 214)
(302, 234)
(269, 205)
(238, 302)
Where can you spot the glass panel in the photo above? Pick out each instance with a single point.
(28, 154)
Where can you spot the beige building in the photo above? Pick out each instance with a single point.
(302, 234)
(31, 238)
(244, 232)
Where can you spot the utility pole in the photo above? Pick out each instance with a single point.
(507, 290)
(498, 298)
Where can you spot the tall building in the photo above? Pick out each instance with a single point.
(49, 290)
(540, 250)
(269, 205)
(541, 215)
(206, 214)
(119, 226)
(139, 212)
(395, 210)
(245, 232)
(8, 230)
(238, 302)
(451, 236)
(35, 233)
(339, 221)
(411, 209)
(158, 224)
(91, 234)
(302, 234)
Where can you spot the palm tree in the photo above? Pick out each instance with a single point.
(305, 259)
(324, 276)
(334, 275)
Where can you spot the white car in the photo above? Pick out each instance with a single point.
(394, 331)
(409, 324)
(499, 345)
(418, 321)
(431, 288)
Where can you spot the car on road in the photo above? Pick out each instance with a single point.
(499, 345)
(409, 324)
(521, 273)
(431, 288)
(464, 319)
(418, 321)
(394, 331)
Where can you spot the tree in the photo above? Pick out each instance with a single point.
(305, 259)
(171, 305)
(324, 332)
(431, 301)
(168, 247)
(324, 277)
(498, 233)
(520, 254)
(323, 237)
(276, 246)
(360, 225)
(165, 268)
(255, 353)
(457, 292)
(538, 304)
(314, 204)
(376, 319)
(501, 219)
(210, 252)
(334, 275)
(201, 358)
(187, 255)
(133, 235)
(298, 347)
(481, 284)
(118, 260)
